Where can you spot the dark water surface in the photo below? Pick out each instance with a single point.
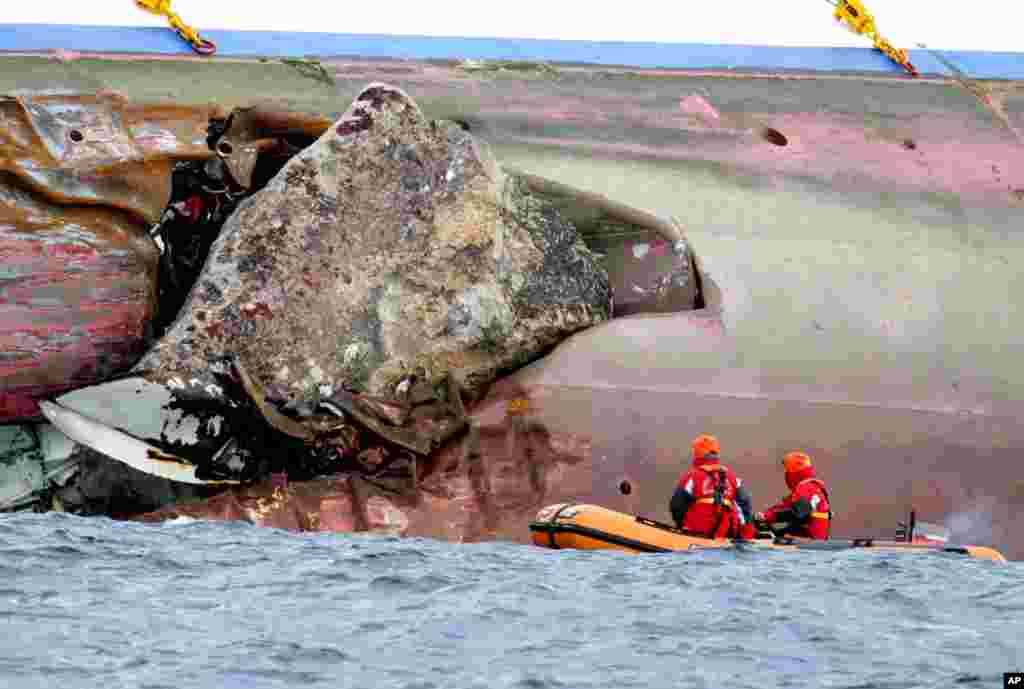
(94, 603)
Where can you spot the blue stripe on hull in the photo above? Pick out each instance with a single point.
(36, 37)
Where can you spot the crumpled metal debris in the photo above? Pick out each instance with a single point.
(163, 179)
(87, 182)
(35, 462)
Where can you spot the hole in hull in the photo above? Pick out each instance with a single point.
(203, 197)
(648, 270)
(774, 136)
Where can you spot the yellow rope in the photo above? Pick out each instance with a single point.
(163, 8)
(854, 15)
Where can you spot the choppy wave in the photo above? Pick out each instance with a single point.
(96, 603)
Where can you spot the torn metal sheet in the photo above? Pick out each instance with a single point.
(127, 449)
(83, 179)
(33, 461)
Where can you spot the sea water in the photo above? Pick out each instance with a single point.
(94, 603)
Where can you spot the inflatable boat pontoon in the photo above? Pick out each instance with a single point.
(591, 527)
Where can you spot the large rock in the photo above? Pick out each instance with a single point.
(391, 246)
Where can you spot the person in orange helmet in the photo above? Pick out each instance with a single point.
(709, 500)
(806, 511)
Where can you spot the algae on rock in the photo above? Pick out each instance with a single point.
(390, 246)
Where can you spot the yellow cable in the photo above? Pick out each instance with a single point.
(855, 15)
(162, 8)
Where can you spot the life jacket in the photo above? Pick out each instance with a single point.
(820, 515)
(722, 499)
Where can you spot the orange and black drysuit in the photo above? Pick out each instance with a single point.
(806, 510)
(710, 500)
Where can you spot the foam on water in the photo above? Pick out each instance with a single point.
(96, 603)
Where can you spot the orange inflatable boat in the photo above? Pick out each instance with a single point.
(591, 527)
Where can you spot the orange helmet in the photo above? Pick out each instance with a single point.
(705, 445)
(798, 468)
(796, 461)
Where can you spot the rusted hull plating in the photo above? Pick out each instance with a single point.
(82, 179)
